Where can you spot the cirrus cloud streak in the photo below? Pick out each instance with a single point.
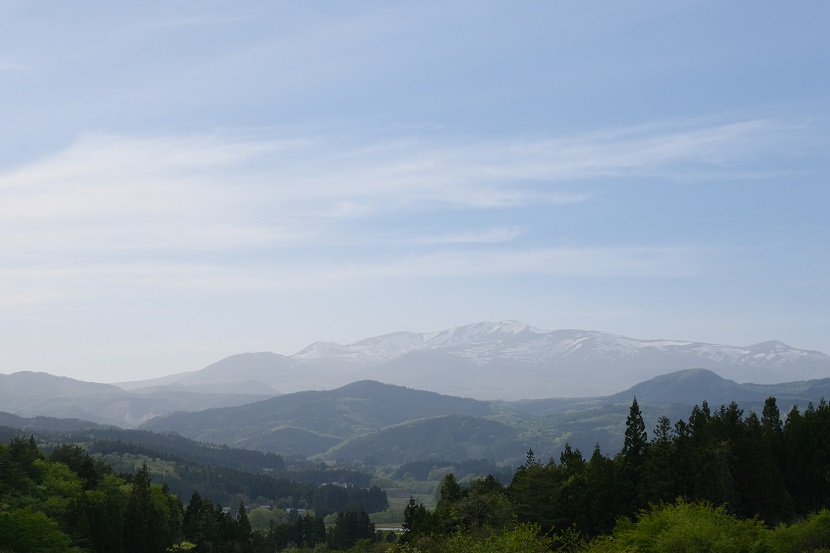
(232, 211)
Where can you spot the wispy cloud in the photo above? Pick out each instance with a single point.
(619, 262)
(47, 282)
(119, 207)
(679, 150)
(103, 173)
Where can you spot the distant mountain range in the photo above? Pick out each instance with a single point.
(385, 424)
(374, 423)
(506, 360)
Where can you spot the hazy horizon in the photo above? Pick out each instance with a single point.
(184, 182)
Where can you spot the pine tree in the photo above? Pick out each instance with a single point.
(633, 460)
(243, 528)
(773, 428)
(140, 527)
(604, 497)
(660, 476)
(636, 438)
(571, 460)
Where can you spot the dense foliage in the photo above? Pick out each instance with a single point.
(754, 466)
(51, 503)
(71, 501)
(658, 494)
(718, 481)
(223, 474)
(229, 486)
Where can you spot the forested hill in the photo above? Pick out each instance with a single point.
(168, 445)
(680, 386)
(221, 473)
(328, 417)
(378, 424)
(456, 437)
(68, 501)
(11, 421)
(370, 422)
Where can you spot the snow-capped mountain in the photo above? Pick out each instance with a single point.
(479, 338)
(512, 360)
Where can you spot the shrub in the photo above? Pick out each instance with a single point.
(808, 536)
(682, 528)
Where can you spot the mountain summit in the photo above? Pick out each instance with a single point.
(508, 360)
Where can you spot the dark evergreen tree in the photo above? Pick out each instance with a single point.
(349, 528)
(571, 461)
(660, 482)
(636, 437)
(632, 460)
(449, 492)
(191, 520)
(604, 501)
(807, 457)
(152, 516)
(417, 521)
(22, 454)
(483, 507)
(702, 454)
(771, 419)
(571, 495)
(142, 532)
(97, 519)
(726, 427)
(759, 481)
(244, 538)
(76, 458)
(533, 492)
(683, 464)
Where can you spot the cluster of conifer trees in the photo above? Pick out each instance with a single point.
(207, 528)
(759, 469)
(754, 466)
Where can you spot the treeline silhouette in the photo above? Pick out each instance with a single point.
(760, 469)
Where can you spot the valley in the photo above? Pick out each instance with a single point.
(237, 435)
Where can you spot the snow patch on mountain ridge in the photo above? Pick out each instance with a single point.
(514, 341)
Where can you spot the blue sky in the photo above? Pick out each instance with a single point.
(182, 181)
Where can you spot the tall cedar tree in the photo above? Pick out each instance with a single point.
(633, 460)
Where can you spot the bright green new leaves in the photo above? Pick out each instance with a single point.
(682, 528)
(32, 531)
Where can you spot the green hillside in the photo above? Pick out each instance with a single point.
(374, 423)
(447, 437)
(354, 410)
